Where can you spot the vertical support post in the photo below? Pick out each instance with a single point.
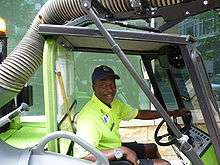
(50, 97)
(200, 85)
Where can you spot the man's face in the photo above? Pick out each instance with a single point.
(105, 89)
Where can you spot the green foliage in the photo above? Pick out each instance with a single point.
(209, 47)
(18, 15)
(210, 42)
(15, 13)
(206, 28)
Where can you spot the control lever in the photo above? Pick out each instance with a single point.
(7, 118)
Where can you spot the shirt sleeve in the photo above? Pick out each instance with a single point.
(90, 132)
(126, 111)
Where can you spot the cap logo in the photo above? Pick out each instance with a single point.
(105, 68)
(106, 118)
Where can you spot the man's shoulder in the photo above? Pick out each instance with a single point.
(88, 115)
(88, 110)
(118, 102)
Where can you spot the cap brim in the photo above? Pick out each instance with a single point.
(115, 76)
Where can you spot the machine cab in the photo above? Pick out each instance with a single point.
(157, 70)
(169, 65)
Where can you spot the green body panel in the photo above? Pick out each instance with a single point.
(49, 89)
(209, 157)
(6, 135)
(26, 136)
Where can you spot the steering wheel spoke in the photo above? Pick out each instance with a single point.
(163, 136)
(170, 136)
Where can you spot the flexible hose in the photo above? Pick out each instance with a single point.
(23, 61)
(160, 3)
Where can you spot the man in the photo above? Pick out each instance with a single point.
(98, 123)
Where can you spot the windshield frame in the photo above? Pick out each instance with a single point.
(200, 82)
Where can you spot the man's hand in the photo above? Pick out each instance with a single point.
(130, 155)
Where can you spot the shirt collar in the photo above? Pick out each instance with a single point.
(104, 108)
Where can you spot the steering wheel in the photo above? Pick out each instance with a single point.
(187, 120)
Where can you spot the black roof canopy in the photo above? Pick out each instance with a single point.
(131, 42)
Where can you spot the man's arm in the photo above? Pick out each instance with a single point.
(128, 154)
(150, 115)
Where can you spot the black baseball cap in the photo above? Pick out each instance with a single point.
(103, 71)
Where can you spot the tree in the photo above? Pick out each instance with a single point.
(18, 15)
(209, 45)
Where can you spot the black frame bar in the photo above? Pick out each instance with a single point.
(195, 68)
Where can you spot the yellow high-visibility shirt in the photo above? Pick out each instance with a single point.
(99, 125)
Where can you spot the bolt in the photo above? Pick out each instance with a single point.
(205, 2)
(187, 13)
(85, 5)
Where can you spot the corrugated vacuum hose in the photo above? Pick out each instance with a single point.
(24, 60)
